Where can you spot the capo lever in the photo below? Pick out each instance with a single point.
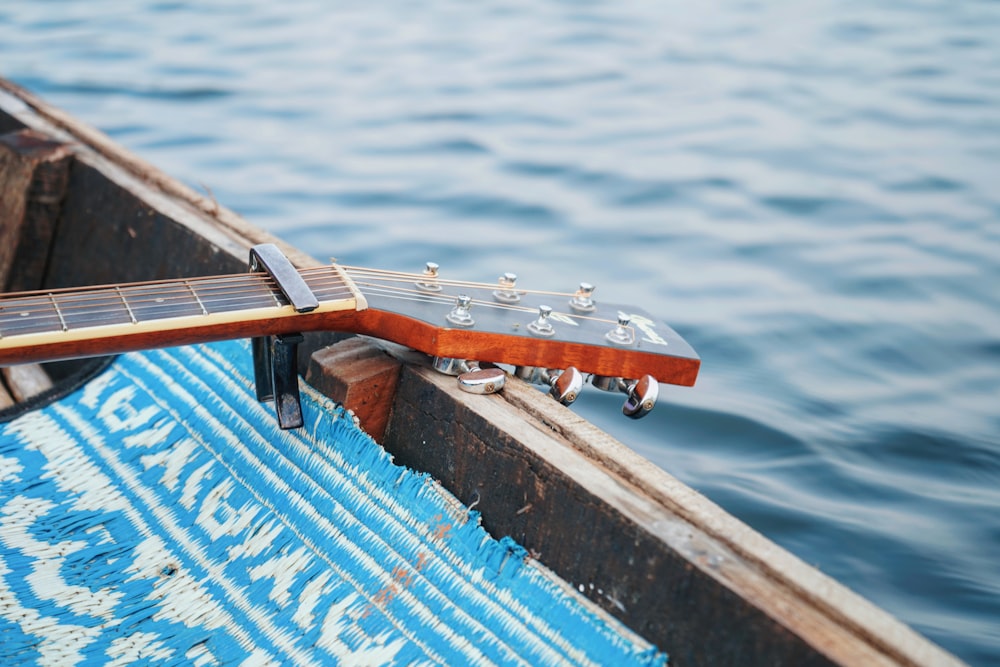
(275, 365)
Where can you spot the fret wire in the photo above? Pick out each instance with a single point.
(147, 283)
(256, 278)
(274, 295)
(62, 322)
(231, 298)
(131, 315)
(207, 284)
(17, 325)
(90, 302)
(82, 300)
(225, 290)
(204, 311)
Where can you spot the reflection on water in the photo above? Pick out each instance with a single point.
(807, 191)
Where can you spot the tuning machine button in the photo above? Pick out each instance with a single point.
(567, 385)
(482, 380)
(641, 393)
(471, 378)
(564, 386)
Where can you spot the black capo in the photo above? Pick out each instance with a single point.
(275, 367)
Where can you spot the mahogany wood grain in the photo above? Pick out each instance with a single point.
(419, 335)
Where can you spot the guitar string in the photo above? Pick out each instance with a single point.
(83, 298)
(252, 278)
(14, 321)
(138, 294)
(94, 303)
(437, 280)
(444, 299)
(17, 324)
(82, 295)
(171, 300)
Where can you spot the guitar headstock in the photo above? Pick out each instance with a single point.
(466, 326)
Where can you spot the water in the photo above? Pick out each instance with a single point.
(808, 191)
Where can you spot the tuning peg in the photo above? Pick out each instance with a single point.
(506, 293)
(564, 386)
(482, 380)
(567, 385)
(459, 315)
(451, 366)
(430, 279)
(622, 334)
(471, 377)
(642, 393)
(582, 301)
(541, 326)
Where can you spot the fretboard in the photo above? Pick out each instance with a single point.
(161, 305)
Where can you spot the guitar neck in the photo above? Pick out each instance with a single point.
(506, 325)
(46, 325)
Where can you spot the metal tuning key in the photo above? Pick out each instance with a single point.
(450, 366)
(541, 326)
(460, 315)
(482, 380)
(506, 293)
(641, 393)
(429, 283)
(583, 301)
(564, 386)
(567, 386)
(471, 378)
(622, 334)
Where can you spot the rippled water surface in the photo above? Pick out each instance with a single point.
(808, 191)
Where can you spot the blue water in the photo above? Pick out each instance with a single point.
(808, 191)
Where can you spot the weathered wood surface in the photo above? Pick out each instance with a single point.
(665, 560)
(26, 380)
(674, 566)
(6, 400)
(33, 176)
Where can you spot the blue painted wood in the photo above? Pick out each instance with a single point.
(159, 514)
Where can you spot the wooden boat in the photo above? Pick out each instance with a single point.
(644, 549)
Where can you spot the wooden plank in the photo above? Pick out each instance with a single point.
(33, 176)
(6, 400)
(669, 563)
(26, 380)
(359, 375)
